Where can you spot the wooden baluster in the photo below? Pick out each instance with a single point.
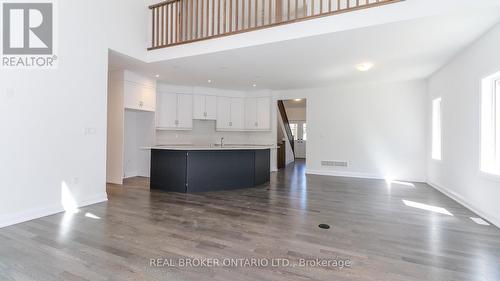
(191, 36)
(201, 17)
(207, 17)
(270, 21)
(176, 21)
(338, 5)
(305, 8)
(153, 43)
(218, 17)
(169, 10)
(312, 7)
(249, 13)
(230, 15)
(288, 10)
(213, 17)
(357, 3)
(225, 17)
(237, 13)
(256, 11)
(243, 14)
(320, 7)
(329, 5)
(262, 21)
(158, 26)
(197, 18)
(348, 4)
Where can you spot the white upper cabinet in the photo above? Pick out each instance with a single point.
(139, 92)
(258, 113)
(204, 107)
(175, 112)
(230, 114)
(264, 113)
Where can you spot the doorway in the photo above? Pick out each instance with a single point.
(292, 130)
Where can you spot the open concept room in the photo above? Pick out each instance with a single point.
(252, 140)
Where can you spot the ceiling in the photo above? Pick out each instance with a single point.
(302, 103)
(400, 51)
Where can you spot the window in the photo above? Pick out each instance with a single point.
(490, 125)
(436, 129)
(294, 127)
(304, 131)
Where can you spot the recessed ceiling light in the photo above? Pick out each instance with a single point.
(157, 75)
(297, 99)
(209, 81)
(254, 85)
(365, 66)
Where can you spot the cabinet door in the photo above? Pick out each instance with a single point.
(264, 113)
(166, 114)
(199, 111)
(211, 107)
(223, 113)
(184, 111)
(132, 95)
(237, 113)
(251, 114)
(148, 98)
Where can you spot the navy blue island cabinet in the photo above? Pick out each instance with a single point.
(179, 170)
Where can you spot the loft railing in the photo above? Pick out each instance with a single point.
(183, 21)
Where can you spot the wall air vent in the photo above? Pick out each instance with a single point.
(335, 163)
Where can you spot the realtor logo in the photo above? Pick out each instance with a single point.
(28, 35)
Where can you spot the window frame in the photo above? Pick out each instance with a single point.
(437, 129)
(489, 163)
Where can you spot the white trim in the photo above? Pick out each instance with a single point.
(356, 175)
(460, 200)
(344, 174)
(36, 213)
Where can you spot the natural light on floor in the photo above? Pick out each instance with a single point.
(92, 216)
(390, 182)
(427, 207)
(67, 200)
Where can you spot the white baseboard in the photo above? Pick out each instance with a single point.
(7, 220)
(343, 174)
(356, 175)
(461, 200)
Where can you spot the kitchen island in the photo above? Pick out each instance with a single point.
(208, 168)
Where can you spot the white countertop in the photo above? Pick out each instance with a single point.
(211, 147)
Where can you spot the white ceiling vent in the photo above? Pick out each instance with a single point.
(335, 163)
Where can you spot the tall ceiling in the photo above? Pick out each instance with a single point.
(399, 51)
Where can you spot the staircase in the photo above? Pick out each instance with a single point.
(286, 124)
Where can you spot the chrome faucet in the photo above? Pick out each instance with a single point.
(221, 141)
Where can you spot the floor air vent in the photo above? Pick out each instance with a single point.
(324, 226)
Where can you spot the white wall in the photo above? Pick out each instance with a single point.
(53, 122)
(459, 85)
(139, 132)
(378, 129)
(296, 113)
(43, 116)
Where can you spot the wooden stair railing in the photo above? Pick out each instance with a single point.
(286, 123)
(177, 22)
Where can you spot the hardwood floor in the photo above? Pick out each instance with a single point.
(370, 226)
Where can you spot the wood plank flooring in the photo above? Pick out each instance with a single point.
(383, 238)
